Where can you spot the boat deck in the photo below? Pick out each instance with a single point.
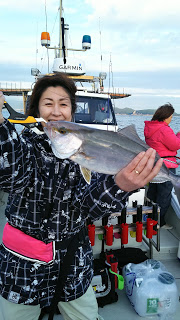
(122, 309)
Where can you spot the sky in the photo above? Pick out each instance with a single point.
(136, 42)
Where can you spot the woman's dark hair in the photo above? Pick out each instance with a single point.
(163, 112)
(55, 80)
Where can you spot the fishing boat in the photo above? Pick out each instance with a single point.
(95, 109)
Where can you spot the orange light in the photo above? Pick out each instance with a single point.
(45, 39)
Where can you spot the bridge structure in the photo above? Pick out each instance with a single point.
(11, 89)
(16, 92)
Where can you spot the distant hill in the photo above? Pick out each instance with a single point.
(124, 110)
(130, 111)
(146, 111)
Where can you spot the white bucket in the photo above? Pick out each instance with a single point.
(150, 288)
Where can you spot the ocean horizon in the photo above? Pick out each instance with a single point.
(148, 101)
(135, 102)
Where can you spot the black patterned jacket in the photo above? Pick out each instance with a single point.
(50, 201)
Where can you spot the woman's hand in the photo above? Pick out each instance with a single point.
(2, 99)
(139, 171)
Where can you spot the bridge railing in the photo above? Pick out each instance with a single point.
(12, 86)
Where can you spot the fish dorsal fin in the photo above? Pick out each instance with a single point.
(86, 174)
(131, 133)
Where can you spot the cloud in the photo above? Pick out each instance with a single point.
(166, 79)
(129, 11)
(25, 5)
(128, 37)
(141, 36)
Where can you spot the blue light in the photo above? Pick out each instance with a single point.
(86, 38)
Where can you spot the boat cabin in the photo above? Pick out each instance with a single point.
(95, 110)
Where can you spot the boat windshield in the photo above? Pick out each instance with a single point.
(93, 110)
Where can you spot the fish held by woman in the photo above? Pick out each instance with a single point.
(102, 151)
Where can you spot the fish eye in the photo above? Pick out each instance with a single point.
(62, 130)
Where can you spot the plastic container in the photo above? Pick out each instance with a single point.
(151, 289)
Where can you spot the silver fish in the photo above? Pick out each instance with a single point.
(102, 151)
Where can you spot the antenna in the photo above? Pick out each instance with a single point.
(100, 40)
(60, 29)
(110, 72)
(46, 32)
(61, 61)
(36, 44)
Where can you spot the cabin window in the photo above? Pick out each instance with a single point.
(92, 110)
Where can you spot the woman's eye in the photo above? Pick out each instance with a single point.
(48, 104)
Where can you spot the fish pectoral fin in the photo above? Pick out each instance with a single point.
(84, 155)
(86, 174)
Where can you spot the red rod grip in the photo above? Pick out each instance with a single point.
(139, 228)
(114, 268)
(109, 235)
(124, 233)
(91, 233)
(149, 232)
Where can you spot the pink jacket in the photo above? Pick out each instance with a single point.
(159, 136)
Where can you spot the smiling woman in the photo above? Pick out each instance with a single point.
(55, 104)
(53, 98)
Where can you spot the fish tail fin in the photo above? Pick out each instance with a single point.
(175, 179)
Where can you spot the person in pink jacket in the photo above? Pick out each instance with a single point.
(159, 136)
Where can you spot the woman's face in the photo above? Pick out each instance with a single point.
(168, 120)
(55, 104)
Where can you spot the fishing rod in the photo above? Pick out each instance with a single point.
(20, 118)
